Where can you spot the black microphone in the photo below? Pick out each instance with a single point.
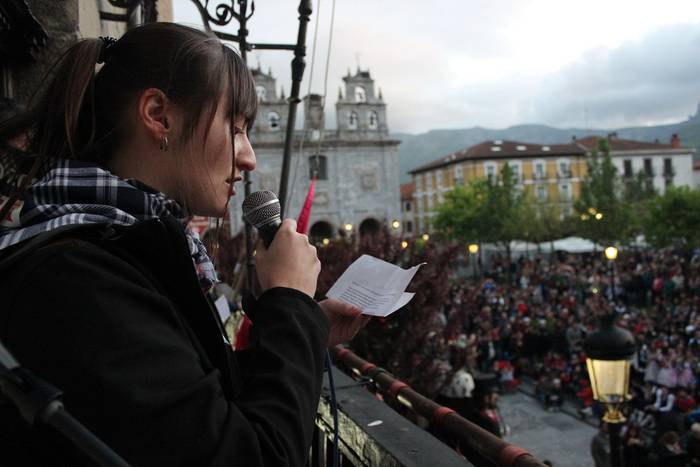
(261, 209)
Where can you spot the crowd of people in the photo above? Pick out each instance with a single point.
(528, 318)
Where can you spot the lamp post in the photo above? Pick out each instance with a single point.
(608, 351)
(611, 254)
(473, 249)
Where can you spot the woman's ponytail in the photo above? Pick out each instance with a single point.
(62, 122)
(64, 118)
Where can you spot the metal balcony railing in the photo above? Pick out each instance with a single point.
(362, 444)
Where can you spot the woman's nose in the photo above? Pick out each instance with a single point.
(245, 156)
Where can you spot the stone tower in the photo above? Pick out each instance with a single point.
(361, 112)
(272, 109)
(355, 165)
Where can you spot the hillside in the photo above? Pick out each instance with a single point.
(416, 150)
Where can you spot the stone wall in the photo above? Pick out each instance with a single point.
(60, 21)
(363, 183)
(65, 22)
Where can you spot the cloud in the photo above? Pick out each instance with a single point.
(650, 80)
(461, 63)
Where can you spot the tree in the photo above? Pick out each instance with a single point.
(674, 217)
(485, 210)
(541, 222)
(603, 216)
(637, 194)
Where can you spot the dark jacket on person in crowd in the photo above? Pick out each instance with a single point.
(116, 319)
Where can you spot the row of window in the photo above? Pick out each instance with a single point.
(539, 169)
(491, 171)
(360, 93)
(273, 120)
(648, 167)
(372, 120)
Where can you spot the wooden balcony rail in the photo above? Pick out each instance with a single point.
(488, 449)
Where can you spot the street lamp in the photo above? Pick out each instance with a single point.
(404, 245)
(611, 254)
(473, 249)
(396, 224)
(348, 227)
(608, 353)
(426, 237)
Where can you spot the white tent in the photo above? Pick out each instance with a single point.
(575, 245)
(519, 247)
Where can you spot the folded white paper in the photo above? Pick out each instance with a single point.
(374, 286)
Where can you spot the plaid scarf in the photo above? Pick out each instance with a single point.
(74, 192)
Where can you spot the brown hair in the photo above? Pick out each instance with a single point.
(82, 114)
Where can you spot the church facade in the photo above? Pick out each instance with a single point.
(355, 165)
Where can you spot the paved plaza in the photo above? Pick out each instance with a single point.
(554, 436)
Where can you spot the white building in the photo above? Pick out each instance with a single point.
(356, 165)
(666, 164)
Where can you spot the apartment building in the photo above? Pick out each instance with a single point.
(550, 173)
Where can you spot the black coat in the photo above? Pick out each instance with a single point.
(116, 319)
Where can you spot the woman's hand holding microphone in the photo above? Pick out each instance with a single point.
(291, 261)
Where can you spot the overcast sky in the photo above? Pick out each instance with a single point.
(496, 63)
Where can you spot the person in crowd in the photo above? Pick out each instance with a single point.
(634, 447)
(684, 402)
(131, 138)
(669, 452)
(458, 393)
(487, 414)
(693, 444)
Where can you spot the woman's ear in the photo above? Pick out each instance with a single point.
(154, 113)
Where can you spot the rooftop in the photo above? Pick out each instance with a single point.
(407, 190)
(616, 144)
(501, 149)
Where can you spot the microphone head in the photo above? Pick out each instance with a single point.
(261, 208)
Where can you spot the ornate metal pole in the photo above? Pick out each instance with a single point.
(298, 65)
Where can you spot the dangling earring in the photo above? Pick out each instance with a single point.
(164, 143)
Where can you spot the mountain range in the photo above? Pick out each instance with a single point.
(416, 150)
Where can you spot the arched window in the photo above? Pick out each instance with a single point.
(261, 92)
(273, 119)
(318, 166)
(352, 121)
(360, 94)
(372, 120)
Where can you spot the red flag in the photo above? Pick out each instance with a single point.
(243, 335)
(305, 214)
